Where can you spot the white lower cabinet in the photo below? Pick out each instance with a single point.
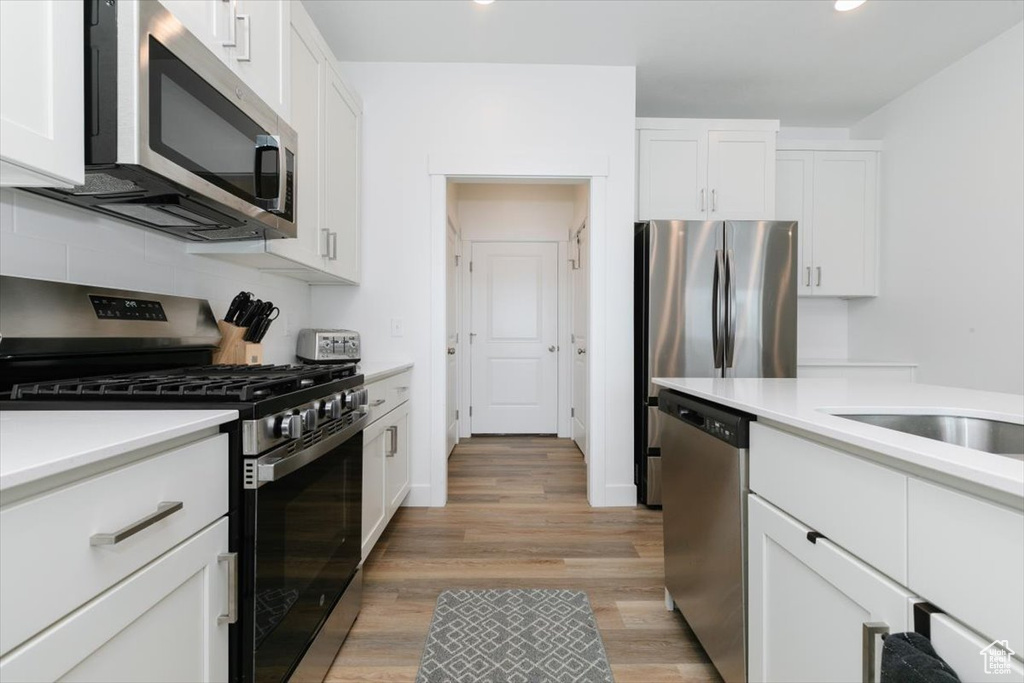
(963, 650)
(813, 608)
(386, 465)
(163, 623)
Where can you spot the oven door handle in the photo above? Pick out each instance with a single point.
(275, 465)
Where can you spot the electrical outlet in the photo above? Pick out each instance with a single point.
(397, 327)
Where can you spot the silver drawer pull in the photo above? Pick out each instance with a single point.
(163, 510)
(232, 615)
(870, 632)
(401, 389)
(393, 447)
(378, 402)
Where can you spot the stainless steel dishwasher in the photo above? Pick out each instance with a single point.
(704, 499)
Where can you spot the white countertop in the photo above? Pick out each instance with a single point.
(39, 444)
(806, 404)
(374, 371)
(845, 362)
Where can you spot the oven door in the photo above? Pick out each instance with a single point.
(304, 523)
(203, 128)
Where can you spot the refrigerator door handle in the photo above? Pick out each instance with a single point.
(717, 309)
(730, 309)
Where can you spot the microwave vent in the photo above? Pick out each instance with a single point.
(103, 184)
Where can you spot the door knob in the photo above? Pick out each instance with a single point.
(451, 350)
(581, 351)
(551, 349)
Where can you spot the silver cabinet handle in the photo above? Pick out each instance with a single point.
(817, 282)
(232, 39)
(702, 191)
(378, 402)
(580, 352)
(247, 55)
(232, 613)
(401, 390)
(332, 245)
(326, 241)
(163, 510)
(871, 631)
(393, 446)
(808, 279)
(714, 200)
(451, 350)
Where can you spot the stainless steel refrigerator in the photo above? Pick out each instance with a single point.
(712, 299)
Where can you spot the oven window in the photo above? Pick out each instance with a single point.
(308, 528)
(196, 127)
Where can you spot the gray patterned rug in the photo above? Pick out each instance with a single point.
(513, 636)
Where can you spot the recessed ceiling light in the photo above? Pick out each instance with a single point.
(487, 2)
(847, 5)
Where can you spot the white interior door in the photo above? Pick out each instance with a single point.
(579, 340)
(452, 336)
(514, 337)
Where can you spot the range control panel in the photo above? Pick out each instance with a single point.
(116, 308)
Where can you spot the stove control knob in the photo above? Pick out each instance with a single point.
(289, 426)
(336, 406)
(309, 418)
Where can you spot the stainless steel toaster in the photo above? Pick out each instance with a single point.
(328, 346)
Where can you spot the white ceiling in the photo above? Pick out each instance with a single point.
(797, 60)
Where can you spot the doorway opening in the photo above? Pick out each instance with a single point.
(517, 313)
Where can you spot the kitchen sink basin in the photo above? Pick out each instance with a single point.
(992, 436)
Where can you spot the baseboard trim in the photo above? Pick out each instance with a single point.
(620, 495)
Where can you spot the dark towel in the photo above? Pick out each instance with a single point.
(910, 658)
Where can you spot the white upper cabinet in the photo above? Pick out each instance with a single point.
(694, 169)
(833, 193)
(250, 36)
(327, 116)
(342, 128)
(673, 174)
(41, 93)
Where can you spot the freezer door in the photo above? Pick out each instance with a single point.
(680, 275)
(760, 312)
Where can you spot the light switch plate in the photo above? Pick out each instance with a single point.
(397, 327)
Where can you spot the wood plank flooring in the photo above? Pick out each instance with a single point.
(517, 517)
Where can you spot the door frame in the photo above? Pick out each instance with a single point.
(564, 323)
(586, 167)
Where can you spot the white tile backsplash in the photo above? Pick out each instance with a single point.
(45, 239)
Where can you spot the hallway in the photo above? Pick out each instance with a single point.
(517, 517)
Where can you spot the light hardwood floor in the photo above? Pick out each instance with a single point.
(517, 517)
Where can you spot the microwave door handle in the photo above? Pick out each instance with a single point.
(265, 143)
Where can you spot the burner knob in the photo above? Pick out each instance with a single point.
(289, 426)
(309, 418)
(336, 406)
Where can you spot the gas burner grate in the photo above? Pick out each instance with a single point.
(240, 383)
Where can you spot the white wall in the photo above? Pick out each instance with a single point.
(515, 211)
(952, 224)
(821, 330)
(45, 239)
(415, 111)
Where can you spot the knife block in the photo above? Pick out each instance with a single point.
(234, 350)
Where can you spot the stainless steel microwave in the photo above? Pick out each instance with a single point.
(175, 140)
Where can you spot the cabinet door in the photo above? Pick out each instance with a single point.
(810, 603)
(396, 458)
(160, 624)
(845, 223)
(794, 188)
(261, 53)
(741, 175)
(207, 20)
(374, 444)
(308, 76)
(41, 93)
(672, 176)
(341, 178)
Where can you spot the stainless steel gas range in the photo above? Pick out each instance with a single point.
(295, 452)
